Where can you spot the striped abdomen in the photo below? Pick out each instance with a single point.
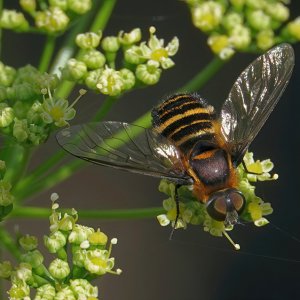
(191, 124)
(185, 119)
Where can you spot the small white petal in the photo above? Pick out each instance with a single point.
(54, 197)
(85, 245)
(261, 222)
(163, 220)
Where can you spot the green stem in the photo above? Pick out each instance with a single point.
(67, 49)
(198, 81)
(25, 187)
(49, 181)
(105, 108)
(144, 121)
(1, 8)
(16, 162)
(136, 213)
(7, 242)
(47, 53)
(99, 23)
(38, 173)
(103, 15)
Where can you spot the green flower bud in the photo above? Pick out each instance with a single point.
(34, 258)
(59, 269)
(93, 59)
(24, 91)
(79, 234)
(76, 69)
(57, 222)
(45, 292)
(110, 82)
(131, 37)
(83, 287)
(88, 40)
(214, 227)
(240, 37)
(265, 39)
(65, 294)
(293, 28)
(220, 45)
(277, 11)
(110, 44)
(62, 4)
(134, 55)
(79, 6)
(238, 3)
(92, 78)
(128, 78)
(28, 242)
(28, 5)
(37, 134)
(78, 256)
(5, 196)
(20, 130)
(46, 81)
(11, 19)
(2, 165)
(255, 4)
(98, 238)
(259, 20)
(19, 291)
(231, 20)
(3, 93)
(207, 15)
(52, 20)
(24, 272)
(20, 109)
(7, 75)
(148, 73)
(66, 223)
(55, 241)
(5, 269)
(6, 115)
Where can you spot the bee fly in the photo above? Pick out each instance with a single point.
(190, 144)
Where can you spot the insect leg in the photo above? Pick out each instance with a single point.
(177, 186)
(249, 172)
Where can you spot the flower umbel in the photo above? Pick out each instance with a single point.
(66, 277)
(101, 70)
(191, 211)
(244, 25)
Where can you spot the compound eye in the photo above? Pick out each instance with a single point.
(226, 202)
(217, 208)
(238, 201)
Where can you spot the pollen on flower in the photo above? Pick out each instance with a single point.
(114, 241)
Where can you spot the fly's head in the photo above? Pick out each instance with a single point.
(226, 205)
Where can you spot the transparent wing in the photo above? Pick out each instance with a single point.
(253, 97)
(125, 146)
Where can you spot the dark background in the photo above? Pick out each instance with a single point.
(194, 265)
